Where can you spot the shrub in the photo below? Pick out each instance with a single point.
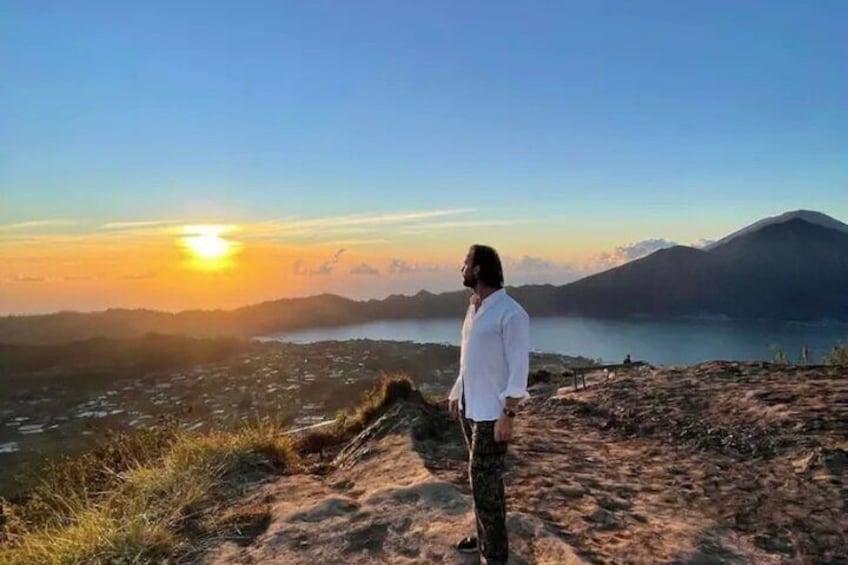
(838, 355)
(779, 355)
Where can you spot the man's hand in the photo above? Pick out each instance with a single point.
(453, 407)
(503, 428)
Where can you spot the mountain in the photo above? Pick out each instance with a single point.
(791, 267)
(667, 282)
(790, 270)
(807, 215)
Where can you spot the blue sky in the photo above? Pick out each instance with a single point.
(337, 139)
(602, 109)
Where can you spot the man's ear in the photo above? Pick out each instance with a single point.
(476, 270)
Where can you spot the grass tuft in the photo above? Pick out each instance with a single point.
(149, 506)
(166, 495)
(391, 388)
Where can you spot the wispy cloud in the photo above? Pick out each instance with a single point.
(425, 227)
(350, 229)
(379, 219)
(347, 224)
(136, 225)
(37, 224)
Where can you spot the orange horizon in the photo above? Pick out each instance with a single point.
(62, 265)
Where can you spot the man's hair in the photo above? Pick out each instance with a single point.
(491, 270)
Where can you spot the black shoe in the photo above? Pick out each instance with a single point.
(467, 545)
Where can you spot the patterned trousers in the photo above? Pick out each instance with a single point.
(486, 461)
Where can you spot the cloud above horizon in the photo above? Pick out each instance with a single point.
(703, 242)
(324, 269)
(364, 269)
(402, 266)
(530, 264)
(632, 251)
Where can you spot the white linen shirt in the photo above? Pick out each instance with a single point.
(495, 357)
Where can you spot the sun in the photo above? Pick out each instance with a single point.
(207, 247)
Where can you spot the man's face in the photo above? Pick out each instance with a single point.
(469, 271)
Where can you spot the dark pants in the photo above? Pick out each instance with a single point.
(486, 459)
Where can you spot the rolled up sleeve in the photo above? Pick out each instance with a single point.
(516, 340)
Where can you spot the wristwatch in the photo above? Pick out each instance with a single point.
(508, 413)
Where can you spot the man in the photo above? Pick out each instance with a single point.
(492, 380)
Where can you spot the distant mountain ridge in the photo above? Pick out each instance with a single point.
(792, 267)
(807, 215)
(793, 270)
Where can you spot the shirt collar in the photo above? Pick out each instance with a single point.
(491, 299)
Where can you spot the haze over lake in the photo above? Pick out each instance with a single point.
(664, 342)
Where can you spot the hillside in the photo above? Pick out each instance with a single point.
(719, 463)
(666, 283)
(57, 400)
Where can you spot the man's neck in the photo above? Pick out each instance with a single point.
(484, 292)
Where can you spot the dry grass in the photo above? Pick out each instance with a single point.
(165, 495)
(152, 508)
(390, 389)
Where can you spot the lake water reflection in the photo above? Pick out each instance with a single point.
(661, 342)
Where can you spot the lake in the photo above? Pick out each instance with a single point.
(660, 342)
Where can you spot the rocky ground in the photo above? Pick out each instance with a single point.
(718, 463)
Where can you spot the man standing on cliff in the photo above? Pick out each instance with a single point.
(493, 367)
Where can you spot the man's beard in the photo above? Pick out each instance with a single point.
(469, 281)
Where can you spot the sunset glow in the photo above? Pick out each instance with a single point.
(207, 248)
